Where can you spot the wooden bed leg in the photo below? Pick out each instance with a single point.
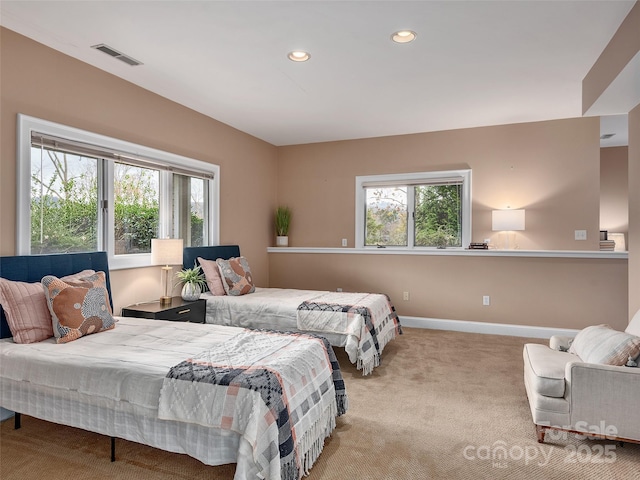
(540, 431)
(113, 449)
(17, 421)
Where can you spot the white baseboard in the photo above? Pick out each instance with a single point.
(487, 328)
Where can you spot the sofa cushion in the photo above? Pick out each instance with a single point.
(546, 369)
(604, 345)
(560, 343)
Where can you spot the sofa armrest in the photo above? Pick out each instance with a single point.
(560, 343)
(604, 398)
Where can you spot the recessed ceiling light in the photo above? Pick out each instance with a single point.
(404, 36)
(299, 56)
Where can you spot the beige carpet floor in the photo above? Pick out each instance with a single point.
(439, 407)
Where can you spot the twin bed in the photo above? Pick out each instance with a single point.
(179, 387)
(362, 323)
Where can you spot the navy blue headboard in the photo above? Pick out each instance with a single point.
(191, 254)
(31, 269)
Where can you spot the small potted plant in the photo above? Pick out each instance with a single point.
(282, 222)
(194, 281)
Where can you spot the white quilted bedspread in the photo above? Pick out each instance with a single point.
(127, 363)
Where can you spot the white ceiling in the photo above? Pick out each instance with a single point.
(474, 63)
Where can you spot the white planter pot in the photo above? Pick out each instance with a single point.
(282, 241)
(191, 292)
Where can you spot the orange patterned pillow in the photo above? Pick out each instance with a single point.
(79, 308)
(25, 307)
(236, 276)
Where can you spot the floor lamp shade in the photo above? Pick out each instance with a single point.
(166, 251)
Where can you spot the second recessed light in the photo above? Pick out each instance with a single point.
(299, 56)
(404, 36)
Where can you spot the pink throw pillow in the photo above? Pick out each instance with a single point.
(212, 274)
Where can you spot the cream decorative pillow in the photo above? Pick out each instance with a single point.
(212, 274)
(602, 344)
(236, 276)
(25, 307)
(78, 308)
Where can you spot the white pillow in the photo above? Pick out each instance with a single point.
(602, 344)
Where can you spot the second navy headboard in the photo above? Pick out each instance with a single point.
(190, 254)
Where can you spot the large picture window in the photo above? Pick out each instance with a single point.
(430, 209)
(81, 192)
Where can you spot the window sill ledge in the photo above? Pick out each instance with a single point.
(455, 252)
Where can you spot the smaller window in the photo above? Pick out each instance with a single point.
(417, 210)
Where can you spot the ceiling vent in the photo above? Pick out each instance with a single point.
(606, 136)
(116, 54)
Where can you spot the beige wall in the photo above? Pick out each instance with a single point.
(634, 210)
(546, 292)
(551, 169)
(623, 47)
(614, 189)
(41, 82)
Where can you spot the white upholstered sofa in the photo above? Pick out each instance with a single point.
(588, 389)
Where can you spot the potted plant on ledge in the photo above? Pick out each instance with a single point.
(282, 221)
(194, 281)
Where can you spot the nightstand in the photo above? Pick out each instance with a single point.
(179, 310)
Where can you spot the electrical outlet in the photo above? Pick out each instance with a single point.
(344, 242)
(486, 300)
(487, 241)
(405, 296)
(339, 289)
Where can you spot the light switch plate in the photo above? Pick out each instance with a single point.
(581, 234)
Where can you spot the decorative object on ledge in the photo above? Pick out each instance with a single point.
(507, 221)
(478, 246)
(166, 251)
(620, 244)
(194, 281)
(282, 222)
(607, 245)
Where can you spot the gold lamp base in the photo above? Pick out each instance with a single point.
(165, 298)
(165, 301)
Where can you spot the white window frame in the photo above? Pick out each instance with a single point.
(27, 124)
(413, 179)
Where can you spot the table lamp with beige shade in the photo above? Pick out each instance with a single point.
(167, 252)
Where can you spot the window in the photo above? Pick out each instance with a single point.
(430, 209)
(80, 192)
